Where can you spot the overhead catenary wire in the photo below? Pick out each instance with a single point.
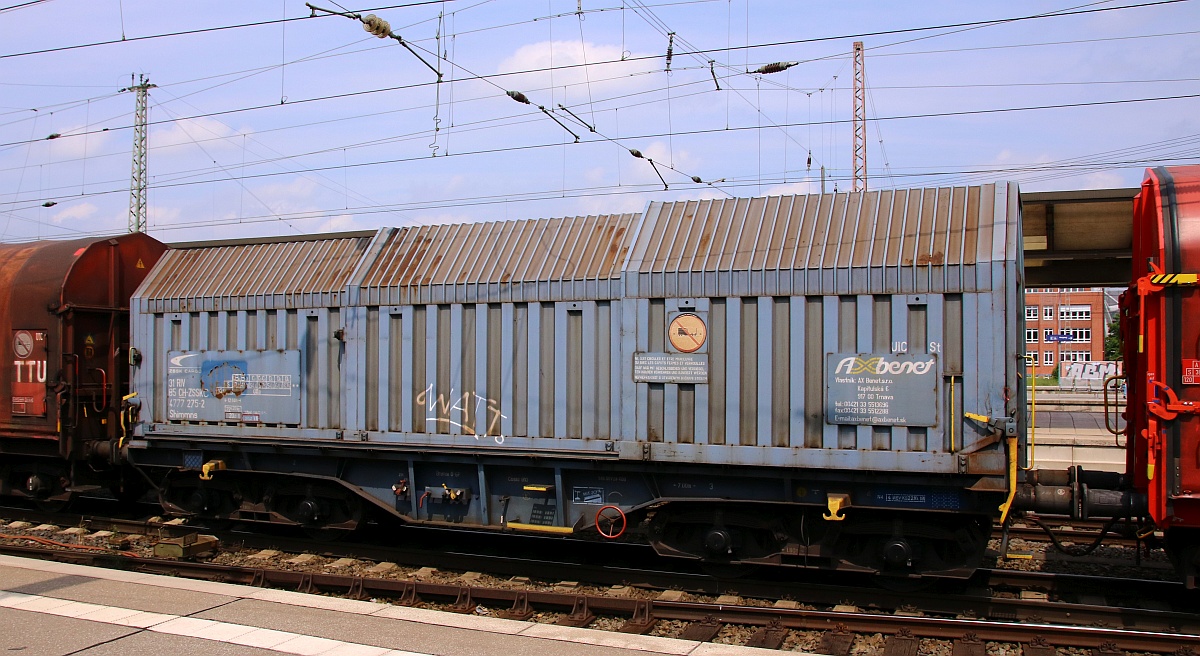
(377, 27)
(22, 5)
(199, 30)
(695, 51)
(202, 115)
(318, 178)
(565, 109)
(555, 194)
(241, 182)
(824, 123)
(332, 53)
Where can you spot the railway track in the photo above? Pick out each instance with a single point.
(1032, 608)
(1139, 631)
(1074, 532)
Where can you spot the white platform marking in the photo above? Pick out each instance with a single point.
(193, 627)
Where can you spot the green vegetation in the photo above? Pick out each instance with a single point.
(1114, 345)
(1046, 378)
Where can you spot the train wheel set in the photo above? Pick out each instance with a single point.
(828, 381)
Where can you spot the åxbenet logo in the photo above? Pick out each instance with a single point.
(878, 365)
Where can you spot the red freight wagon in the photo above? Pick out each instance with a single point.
(64, 330)
(1161, 324)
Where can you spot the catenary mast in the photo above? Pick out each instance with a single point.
(137, 185)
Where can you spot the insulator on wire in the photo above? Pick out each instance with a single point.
(519, 97)
(774, 68)
(377, 26)
(670, 49)
(636, 153)
(696, 179)
(809, 168)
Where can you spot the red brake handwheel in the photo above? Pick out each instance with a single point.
(611, 532)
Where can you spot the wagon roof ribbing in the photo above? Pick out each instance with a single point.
(914, 229)
(282, 273)
(573, 248)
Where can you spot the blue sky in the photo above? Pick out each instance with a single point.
(314, 125)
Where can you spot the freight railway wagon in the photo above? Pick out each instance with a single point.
(64, 330)
(825, 381)
(1160, 488)
(1160, 313)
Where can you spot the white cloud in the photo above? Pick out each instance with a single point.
(1103, 180)
(585, 83)
(159, 214)
(77, 142)
(74, 212)
(618, 204)
(339, 223)
(298, 187)
(680, 158)
(595, 175)
(210, 133)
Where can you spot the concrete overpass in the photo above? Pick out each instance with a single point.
(1078, 238)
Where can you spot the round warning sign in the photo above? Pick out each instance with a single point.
(23, 343)
(687, 332)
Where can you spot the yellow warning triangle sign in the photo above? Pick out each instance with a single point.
(89, 341)
(140, 264)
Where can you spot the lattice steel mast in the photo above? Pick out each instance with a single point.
(137, 186)
(860, 121)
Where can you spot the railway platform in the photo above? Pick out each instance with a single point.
(56, 609)
(1064, 439)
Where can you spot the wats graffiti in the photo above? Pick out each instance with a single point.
(462, 410)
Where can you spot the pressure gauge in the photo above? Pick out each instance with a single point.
(687, 332)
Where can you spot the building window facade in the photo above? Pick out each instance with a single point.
(1075, 312)
(1074, 315)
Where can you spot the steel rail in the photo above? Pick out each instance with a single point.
(465, 598)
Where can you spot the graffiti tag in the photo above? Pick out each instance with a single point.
(461, 410)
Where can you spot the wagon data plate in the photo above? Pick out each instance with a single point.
(670, 368)
(234, 386)
(881, 389)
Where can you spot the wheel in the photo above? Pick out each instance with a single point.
(327, 518)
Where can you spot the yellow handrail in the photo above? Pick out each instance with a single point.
(1032, 413)
(952, 419)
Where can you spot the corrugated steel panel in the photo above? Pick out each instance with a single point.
(908, 241)
(247, 276)
(522, 336)
(509, 260)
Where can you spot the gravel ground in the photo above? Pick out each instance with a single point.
(1114, 561)
(796, 641)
